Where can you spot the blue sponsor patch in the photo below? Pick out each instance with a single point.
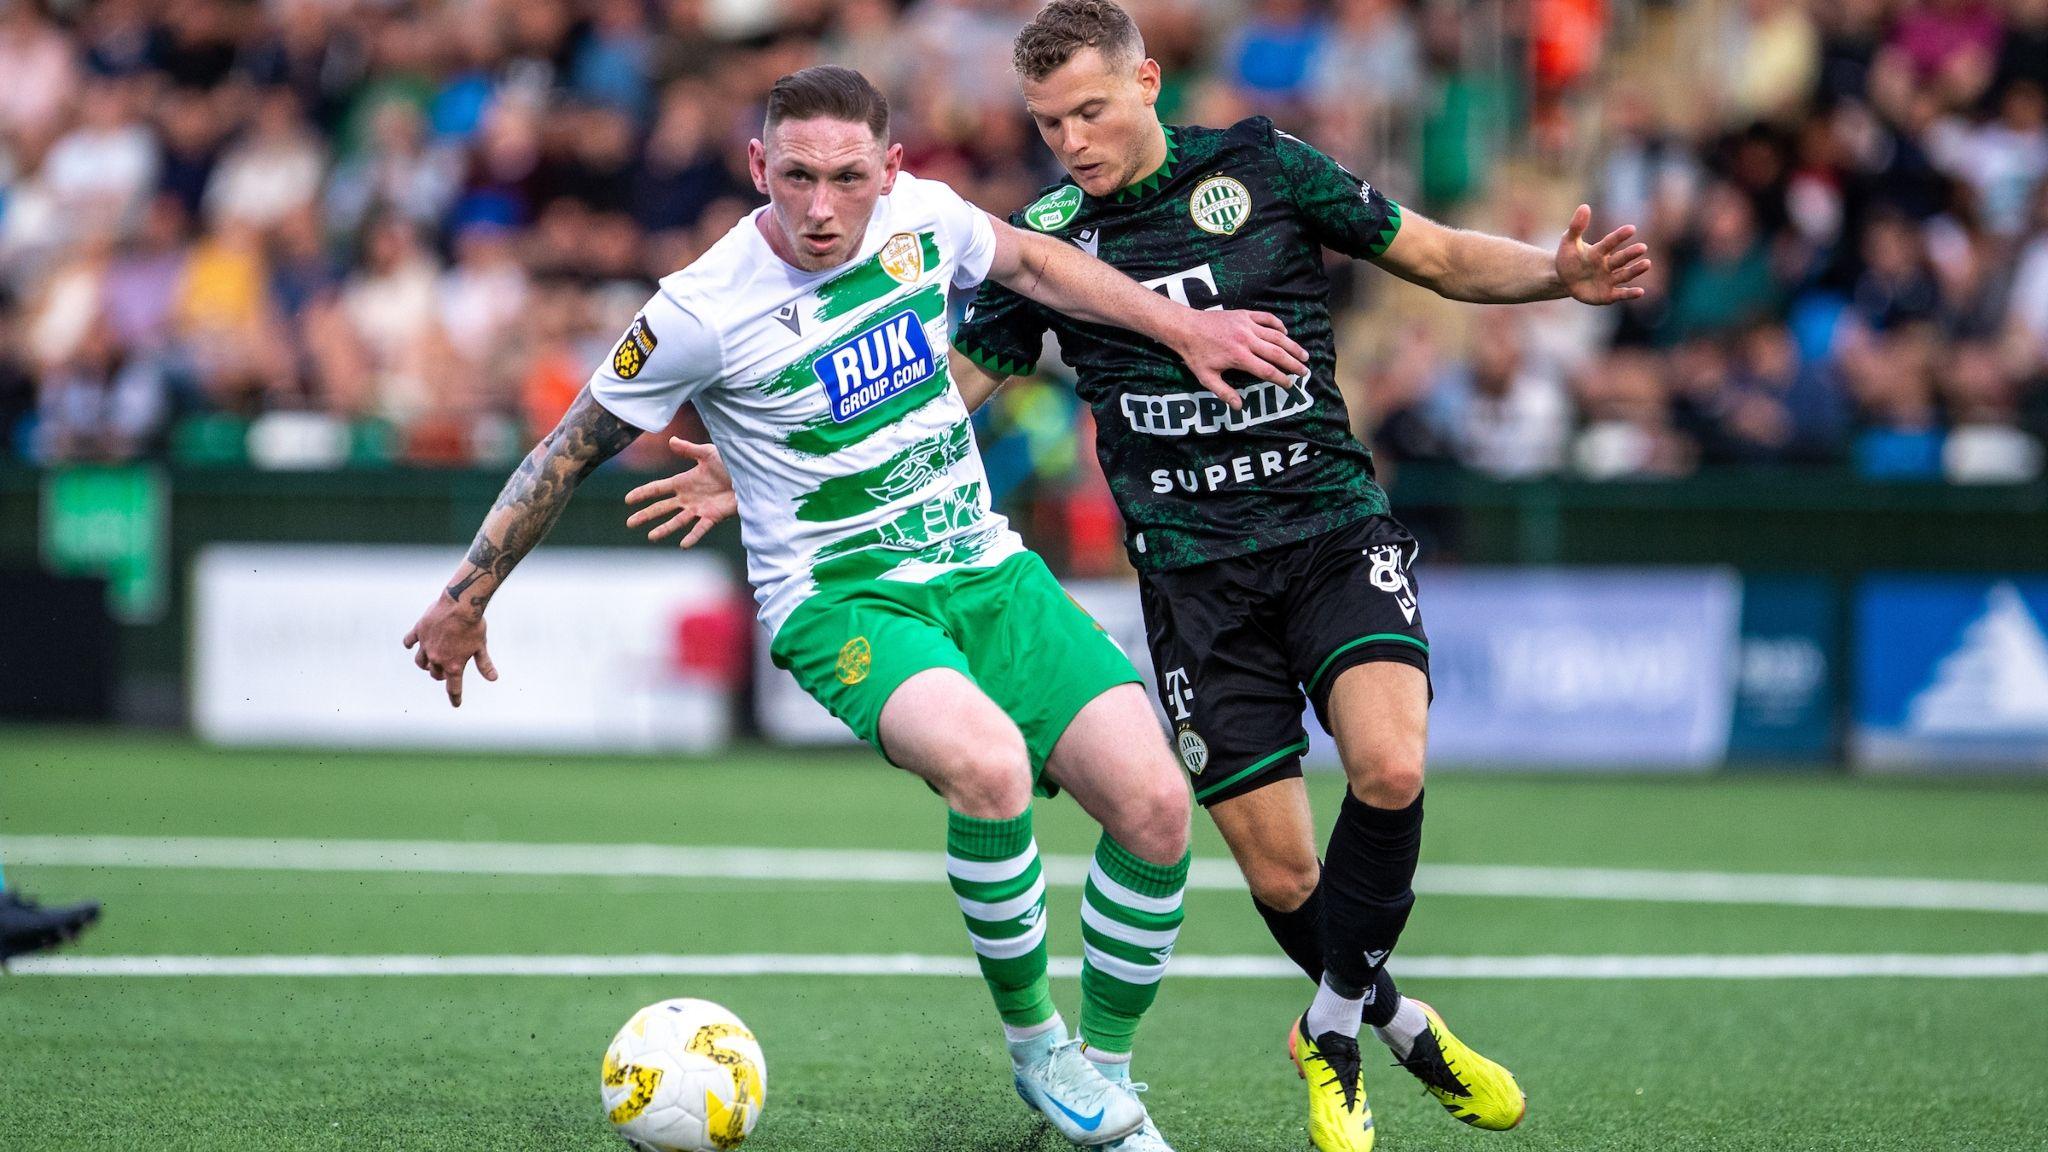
(876, 364)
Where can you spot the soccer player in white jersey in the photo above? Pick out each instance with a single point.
(813, 340)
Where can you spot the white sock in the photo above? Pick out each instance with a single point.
(1333, 1013)
(1400, 1032)
(1113, 1065)
(1025, 1035)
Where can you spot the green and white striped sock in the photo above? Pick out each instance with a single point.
(1130, 916)
(994, 870)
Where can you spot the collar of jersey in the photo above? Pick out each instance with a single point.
(1160, 175)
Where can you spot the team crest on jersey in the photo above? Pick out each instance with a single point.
(903, 258)
(876, 363)
(1220, 205)
(855, 658)
(1194, 751)
(634, 349)
(1055, 210)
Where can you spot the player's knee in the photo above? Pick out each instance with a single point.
(1389, 775)
(1282, 883)
(987, 773)
(1155, 818)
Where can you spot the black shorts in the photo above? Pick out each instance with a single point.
(1237, 644)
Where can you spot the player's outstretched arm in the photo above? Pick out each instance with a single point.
(695, 499)
(451, 632)
(1066, 279)
(1483, 269)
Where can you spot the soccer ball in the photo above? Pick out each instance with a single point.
(684, 1076)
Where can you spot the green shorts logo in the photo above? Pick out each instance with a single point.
(855, 657)
(1056, 209)
(1220, 205)
(1194, 751)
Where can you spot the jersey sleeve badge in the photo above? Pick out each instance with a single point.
(634, 349)
(1055, 210)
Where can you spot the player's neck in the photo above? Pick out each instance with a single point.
(1152, 157)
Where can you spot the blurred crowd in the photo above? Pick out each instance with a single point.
(317, 233)
(1847, 203)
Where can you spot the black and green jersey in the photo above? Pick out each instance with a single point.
(1235, 218)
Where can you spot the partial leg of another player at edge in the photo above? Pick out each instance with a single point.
(1132, 909)
(1340, 921)
(26, 926)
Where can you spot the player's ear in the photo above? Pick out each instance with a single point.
(757, 164)
(1148, 80)
(892, 163)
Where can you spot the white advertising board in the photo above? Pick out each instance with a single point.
(301, 645)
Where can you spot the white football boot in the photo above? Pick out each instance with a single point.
(1056, 1079)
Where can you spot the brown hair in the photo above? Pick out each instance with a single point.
(830, 92)
(1064, 27)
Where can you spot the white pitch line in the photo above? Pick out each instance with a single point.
(1792, 966)
(826, 865)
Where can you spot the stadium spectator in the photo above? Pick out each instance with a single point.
(274, 170)
(41, 66)
(1506, 417)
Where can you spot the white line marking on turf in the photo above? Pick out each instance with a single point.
(827, 865)
(1765, 967)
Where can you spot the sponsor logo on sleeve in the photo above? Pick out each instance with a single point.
(876, 363)
(634, 349)
(1055, 210)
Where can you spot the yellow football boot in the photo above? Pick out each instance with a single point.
(1468, 1085)
(1339, 1117)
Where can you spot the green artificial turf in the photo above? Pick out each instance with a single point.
(914, 1062)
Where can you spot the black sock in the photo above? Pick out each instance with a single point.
(1368, 888)
(1300, 932)
(1381, 999)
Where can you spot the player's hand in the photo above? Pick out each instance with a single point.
(695, 499)
(1253, 342)
(444, 641)
(1599, 273)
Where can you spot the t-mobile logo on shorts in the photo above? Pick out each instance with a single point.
(1180, 698)
(1390, 575)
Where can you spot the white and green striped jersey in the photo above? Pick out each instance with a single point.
(829, 397)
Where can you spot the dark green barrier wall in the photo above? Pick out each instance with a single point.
(1759, 522)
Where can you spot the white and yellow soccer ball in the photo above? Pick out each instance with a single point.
(684, 1076)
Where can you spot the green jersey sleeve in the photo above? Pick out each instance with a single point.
(1003, 331)
(1343, 212)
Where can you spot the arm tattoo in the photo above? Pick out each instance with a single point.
(534, 497)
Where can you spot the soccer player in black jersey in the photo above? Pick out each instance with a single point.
(1270, 569)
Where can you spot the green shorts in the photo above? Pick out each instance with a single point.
(1010, 629)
